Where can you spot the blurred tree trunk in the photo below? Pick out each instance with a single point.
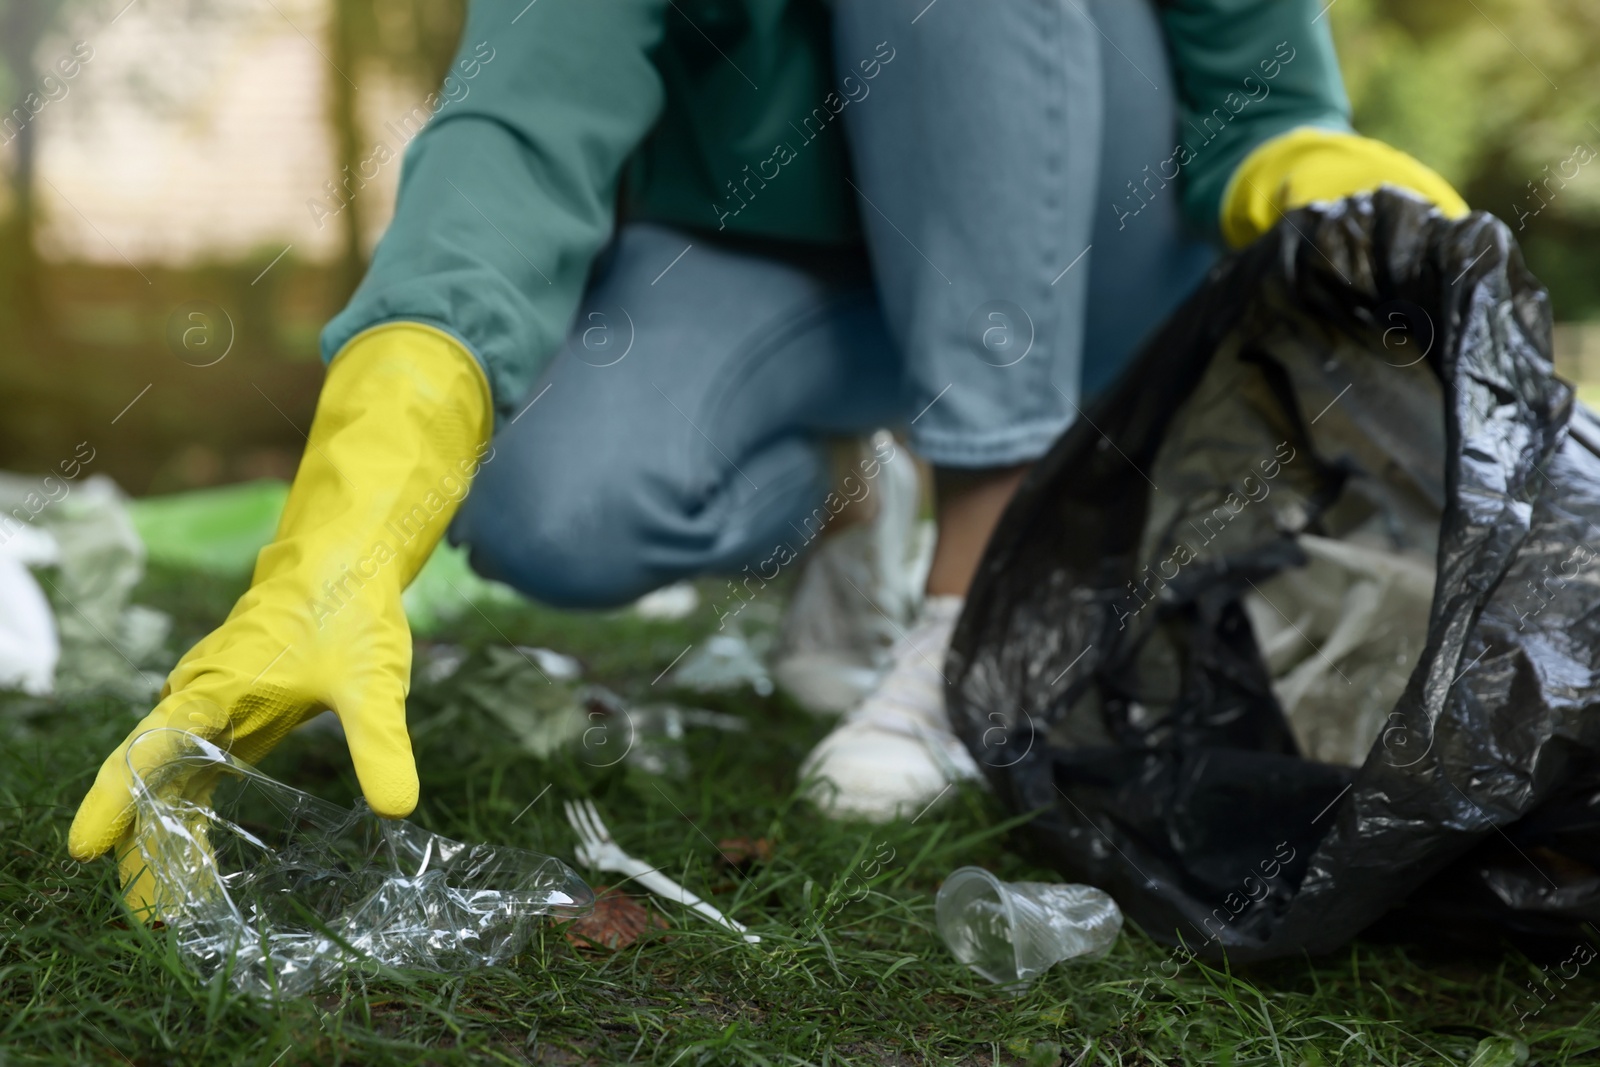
(345, 26)
(22, 26)
(439, 23)
(411, 41)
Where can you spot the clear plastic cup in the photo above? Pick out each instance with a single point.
(1012, 932)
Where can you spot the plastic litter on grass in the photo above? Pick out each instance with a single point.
(283, 891)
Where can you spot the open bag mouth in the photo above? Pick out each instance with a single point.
(1296, 627)
(283, 889)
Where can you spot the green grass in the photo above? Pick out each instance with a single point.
(850, 970)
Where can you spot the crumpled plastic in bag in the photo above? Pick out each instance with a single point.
(1340, 636)
(283, 891)
(1366, 394)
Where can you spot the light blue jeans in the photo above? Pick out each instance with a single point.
(681, 429)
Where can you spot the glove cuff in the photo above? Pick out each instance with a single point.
(1309, 164)
(402, 426)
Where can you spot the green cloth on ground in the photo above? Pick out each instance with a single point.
(220, 531)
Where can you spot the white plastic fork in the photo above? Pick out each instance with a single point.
(597, 849)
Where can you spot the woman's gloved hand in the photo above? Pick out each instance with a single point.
(1309, 164)
(401, 427)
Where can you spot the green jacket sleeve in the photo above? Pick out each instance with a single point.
(1247, 71)
(508, 193)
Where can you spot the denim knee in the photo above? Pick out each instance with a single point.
(559, 540)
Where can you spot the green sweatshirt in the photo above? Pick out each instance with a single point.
(712, 115)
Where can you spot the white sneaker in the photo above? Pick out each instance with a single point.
(859, 588)
(896, 754)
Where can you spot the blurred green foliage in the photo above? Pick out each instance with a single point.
(1498, 96)
(87, 348)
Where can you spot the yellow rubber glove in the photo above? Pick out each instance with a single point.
(1310, 164)
(402, 425)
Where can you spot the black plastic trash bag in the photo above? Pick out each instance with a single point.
(1358, 411)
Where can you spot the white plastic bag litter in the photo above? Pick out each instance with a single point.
(29, 645)
(669, 603)
(105, 643)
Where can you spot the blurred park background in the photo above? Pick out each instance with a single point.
(175, 198)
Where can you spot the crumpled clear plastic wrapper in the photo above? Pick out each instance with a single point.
(282, 891)
(726, 661)
(649, 736)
